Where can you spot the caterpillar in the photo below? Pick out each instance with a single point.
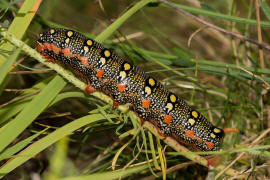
(105, 71)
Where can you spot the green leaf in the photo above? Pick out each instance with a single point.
(4, 68)
(48, 140)
(21, 22)
(19, 146)
(223, 16)
(109, 175)
(11, 130)
(207, 7)
(12, 109)
(65, 95)
(58, 159)
(116, 24)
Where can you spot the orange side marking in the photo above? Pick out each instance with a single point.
(190, 133)
(121, 87)
(84, 60)
(168, 119)
(100, 73)
(47, 46)
(210, 145)
(66, 52)
(55, 49)
(146, 103)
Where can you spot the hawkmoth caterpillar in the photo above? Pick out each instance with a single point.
(105, 71)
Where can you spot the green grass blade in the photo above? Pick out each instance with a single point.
(14, 108)
(4, 68)
(65, 95)
(21, 22)
(153, 151)
(265, 8)
(233, 66)
(19, 146)
(109, 175)
(58, 159)
(116, 24)
(50, 139)
(11, 130)
(212, 14)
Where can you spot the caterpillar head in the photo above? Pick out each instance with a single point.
(58, 37)
(64, 41)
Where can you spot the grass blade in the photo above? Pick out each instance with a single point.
(116, 24)
(21, 22)
(265, 8)
(109, 175)
(58, 159)
(12, 109)
(45, 142)
(11, 130)
(4, 68)
(19, 146)
(216, 15)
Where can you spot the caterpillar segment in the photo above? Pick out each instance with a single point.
(105, 71)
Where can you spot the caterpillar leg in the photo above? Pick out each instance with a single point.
(89, 89)
(48, 58)
(115, 104)
(161, 134)
(161, 126)
(160, 131)
(142, 121)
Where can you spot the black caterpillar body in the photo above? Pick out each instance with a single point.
(105, 71)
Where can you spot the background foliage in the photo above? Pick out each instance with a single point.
(225, 78)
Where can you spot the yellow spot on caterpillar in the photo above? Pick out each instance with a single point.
(70, 33)
(152, 81)
(89, 42)
(103, 61)
(169, 106)
(173, 98)
(194, 114)
(148, 90)
(123, 74)
(107, 53)
(86, 49)
(127, 66)
(213, 135)
(67, 40)
(52, 31)
(191, 121)
(216, 130)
